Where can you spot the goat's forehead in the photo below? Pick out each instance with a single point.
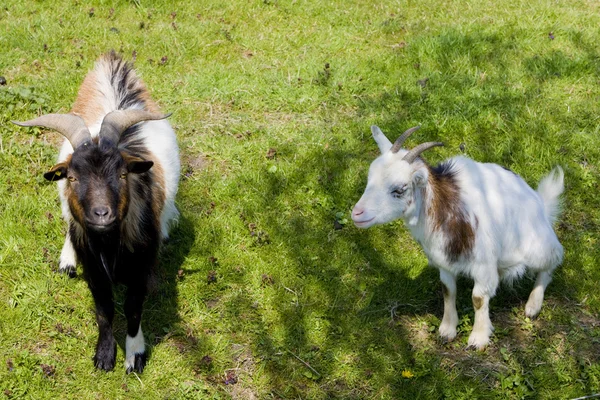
(389, 169)
(93, 157)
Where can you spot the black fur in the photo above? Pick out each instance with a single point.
(110, 255)
(122, 79)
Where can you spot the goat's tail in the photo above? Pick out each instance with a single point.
(549, 190)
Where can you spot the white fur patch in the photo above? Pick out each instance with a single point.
(68, 258)
(134, 345)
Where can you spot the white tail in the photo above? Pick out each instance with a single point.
(550, 189)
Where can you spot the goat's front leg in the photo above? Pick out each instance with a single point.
(483, 291)
(450, 321)
(135, 348)
(106, 348)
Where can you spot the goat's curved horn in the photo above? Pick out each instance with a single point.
(116, 122)
(69, 125)
(400, 141)
(416, 151)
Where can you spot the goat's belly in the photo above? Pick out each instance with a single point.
(509, 273)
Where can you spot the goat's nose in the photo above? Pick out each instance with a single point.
(101, 211)
(357, 211)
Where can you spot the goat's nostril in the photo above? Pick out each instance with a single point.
(357, 212)
(101, 211)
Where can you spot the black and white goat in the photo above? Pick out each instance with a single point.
(475, 219)
(121, 164)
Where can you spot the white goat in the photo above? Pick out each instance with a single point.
(475, 219)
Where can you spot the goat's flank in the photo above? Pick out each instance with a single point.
(121, 164)
(479, 220)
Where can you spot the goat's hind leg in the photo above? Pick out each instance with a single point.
(68, 258)
(536, 297)
(449, 323)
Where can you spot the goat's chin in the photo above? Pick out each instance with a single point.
(365, 224)
(101, 228)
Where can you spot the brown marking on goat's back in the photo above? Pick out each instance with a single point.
(477, 302)
(446, 212)
(88, 104)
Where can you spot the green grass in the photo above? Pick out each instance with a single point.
(257, 288)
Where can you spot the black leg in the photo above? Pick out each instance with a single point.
(135, 348)
(106, 347)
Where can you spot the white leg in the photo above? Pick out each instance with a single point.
(134, 346)
(450, 321)
(482, 327)
(68, 258)
(168, 219)
(534, 304)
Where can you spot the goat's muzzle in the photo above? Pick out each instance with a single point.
(101, 219)
(361, 218)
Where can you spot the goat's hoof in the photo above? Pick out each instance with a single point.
(104, 363)
(105, 356)
(532, 312)
(447, 334)
(137, 365)
(69, 270)
(445, 339)
(478, 342)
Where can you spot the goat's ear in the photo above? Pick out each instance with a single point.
(137, 165)
(382, 142)
(420, 177)
(56, 173)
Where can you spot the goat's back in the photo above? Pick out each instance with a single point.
(511, 216)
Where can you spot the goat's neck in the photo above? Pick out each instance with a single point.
(434, 204)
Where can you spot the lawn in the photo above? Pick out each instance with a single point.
(267, 290)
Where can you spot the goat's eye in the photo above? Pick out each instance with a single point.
(123, 175)
(71, 178)
(398, 192)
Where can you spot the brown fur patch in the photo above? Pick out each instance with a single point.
(75, 206)
(446, 212)
(88, 104)
(477, 302)
(158, 200)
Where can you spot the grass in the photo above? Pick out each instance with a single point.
(260, 296)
